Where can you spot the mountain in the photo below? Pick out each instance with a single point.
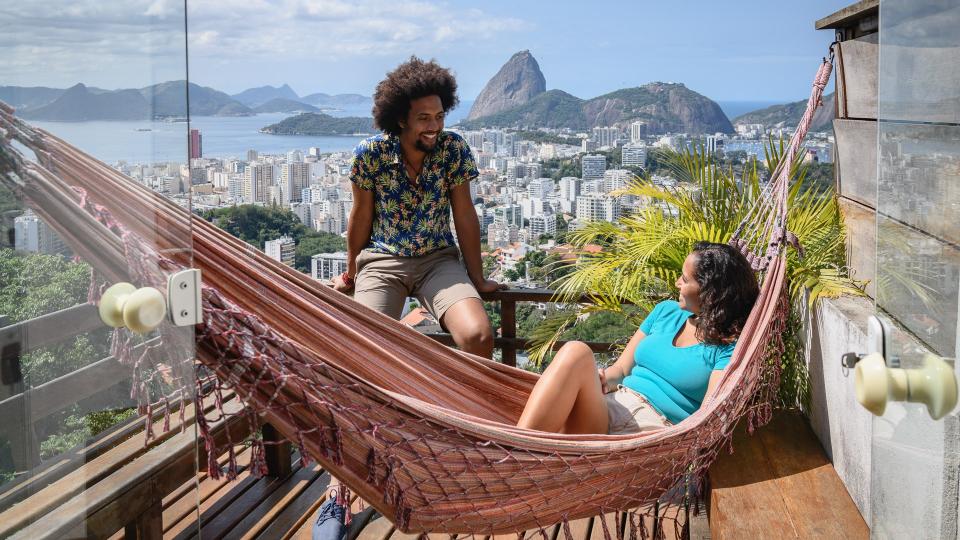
(665, 107)
(316, 124)
(168, 100)
(337, 101)
(284, 105)
(253, 97)
(553, 109)
(22, 97)
(790, 114)
(79, 104)
(517, 82)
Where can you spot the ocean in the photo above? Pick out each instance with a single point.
(223, 137)
(226, 137)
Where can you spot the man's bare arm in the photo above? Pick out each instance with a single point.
(358, 231)
(468, 236)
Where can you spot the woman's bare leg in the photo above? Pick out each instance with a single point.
(568, 398)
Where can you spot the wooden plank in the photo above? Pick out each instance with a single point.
(226, 519)
(51, 328)
(180, 508)
(55, 395)
(379, 528)
(79, 479)
(812, 492)
(103, 508)
(286, 491)
(780, 483)
(744, 502)
(299, 509)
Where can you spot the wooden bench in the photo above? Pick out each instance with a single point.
(114, 482)
(779, 483)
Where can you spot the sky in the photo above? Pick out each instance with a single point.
(750, 50)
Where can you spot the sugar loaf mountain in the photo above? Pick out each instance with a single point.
(517, 97)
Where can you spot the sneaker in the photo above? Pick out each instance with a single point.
(329, 524)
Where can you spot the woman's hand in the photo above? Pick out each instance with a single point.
(603, 380)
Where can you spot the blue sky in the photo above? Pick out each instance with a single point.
(728, 51)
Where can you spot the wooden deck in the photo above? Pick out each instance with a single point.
(284, 508)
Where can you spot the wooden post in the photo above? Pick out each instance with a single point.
(279, 464)
(148, 525)
(508, 331)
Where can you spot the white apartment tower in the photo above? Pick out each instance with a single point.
(634, 155)
(294, 177)
(282, 249)
(257, 181)
(326, 266)
(598, 208)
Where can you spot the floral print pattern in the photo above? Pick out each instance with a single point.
(411, 219)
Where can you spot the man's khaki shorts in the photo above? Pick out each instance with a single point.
(630, 412)
(438, 280)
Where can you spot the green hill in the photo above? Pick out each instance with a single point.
(321, 124)
(789, 114)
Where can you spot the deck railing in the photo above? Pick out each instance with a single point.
(506, 338)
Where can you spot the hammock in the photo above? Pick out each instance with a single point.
(424, 433)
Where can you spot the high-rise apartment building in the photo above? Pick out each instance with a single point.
(196, 144)
(592, 166)
(326, 266)
(294, 177)
(257, 181)
(282, 249)
(543, 224)
(634, 155)
(598, 208)
(32, 234)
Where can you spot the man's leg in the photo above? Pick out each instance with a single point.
(445, 289)
(381, 283)
(468, 324)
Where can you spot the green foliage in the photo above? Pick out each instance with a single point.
(37, 284)
(642, 253)
(543, 137)
(80, 428)
(256, 224)
(318, 124)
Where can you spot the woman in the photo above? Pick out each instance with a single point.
(673, 361)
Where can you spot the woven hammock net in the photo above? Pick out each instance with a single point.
(424, 433)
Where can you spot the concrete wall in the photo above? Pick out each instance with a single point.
(844, 427)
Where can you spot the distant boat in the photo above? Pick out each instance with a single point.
(144, 129)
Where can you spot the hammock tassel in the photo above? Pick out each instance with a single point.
(258, 458)
(232, 463)
(566, 529)
(603, 523)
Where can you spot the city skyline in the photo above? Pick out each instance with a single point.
(337, 47)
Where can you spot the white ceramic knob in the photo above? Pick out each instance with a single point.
(140, 310)
(934, 385)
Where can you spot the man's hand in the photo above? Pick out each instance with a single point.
(489, 285)
(341, 285)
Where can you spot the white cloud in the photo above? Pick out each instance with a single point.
(60, 37)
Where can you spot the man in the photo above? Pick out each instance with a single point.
(405, 182)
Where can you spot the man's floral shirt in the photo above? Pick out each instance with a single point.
(411, 220)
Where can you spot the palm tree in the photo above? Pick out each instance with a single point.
(641, 255)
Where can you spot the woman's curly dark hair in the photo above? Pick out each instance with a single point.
(411, 80)
(728, 290)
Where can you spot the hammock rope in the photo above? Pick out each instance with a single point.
(424, 433)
